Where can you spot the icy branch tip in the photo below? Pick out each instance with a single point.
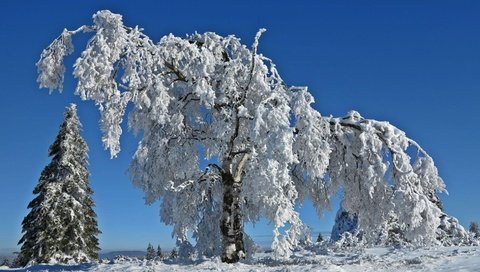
(257, 37)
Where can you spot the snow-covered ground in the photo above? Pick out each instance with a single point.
(373, 259)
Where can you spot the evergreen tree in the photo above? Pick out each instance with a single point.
(159, 252)
(150, 252)
(173, 254)
(474, 229)
(61, 225)
(319, 238)
(5, 262)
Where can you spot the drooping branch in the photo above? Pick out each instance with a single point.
(361, 125)
(411, 199)
(254, 55)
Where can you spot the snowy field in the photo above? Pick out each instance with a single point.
(373, 259)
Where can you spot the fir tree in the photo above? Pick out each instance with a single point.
(61, 225)
(319, 238)
(5, 262)
(173, 254)
(159, 252)
(150, 252)
(475, 229)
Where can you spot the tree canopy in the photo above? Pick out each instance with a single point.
(210, 98)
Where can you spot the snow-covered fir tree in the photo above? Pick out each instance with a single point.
(159, 253)
(320, 238)
(61, 226)
(344, 222)
(208, 97)
(173, 254)
(150, 255)
(474, 229)
(5, 263)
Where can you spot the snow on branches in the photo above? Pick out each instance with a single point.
(50, 66)
(209, 98)
(370, 160)
(61, 226)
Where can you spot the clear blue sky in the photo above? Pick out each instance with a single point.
(414, 63)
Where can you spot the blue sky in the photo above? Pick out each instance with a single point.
(414, 63)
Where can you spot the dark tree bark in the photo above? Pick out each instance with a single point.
(231, 223)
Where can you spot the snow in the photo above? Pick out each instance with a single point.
(230, 250)
(357, 259)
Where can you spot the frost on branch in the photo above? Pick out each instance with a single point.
(97, 69)
(312, 149)
(50, 67)
(382, 183)
(450, 232)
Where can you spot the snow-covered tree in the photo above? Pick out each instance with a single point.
(344, 222)
(450, 232)
(173, 253)
(474, 229)
(5, 263)
(159, 253)
(319, 238)
(200, 96)
(208, 97)
(150, 255)
(61, 225)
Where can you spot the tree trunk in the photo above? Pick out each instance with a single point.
(231, 223)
